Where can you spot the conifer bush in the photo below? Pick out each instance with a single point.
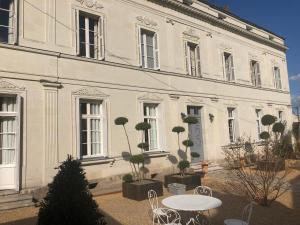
(69, 201)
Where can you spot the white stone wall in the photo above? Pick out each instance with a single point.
(46, 50)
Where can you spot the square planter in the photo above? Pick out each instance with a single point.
(139, 190)
(191, 180)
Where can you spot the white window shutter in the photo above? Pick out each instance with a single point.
(156, 50)
(186, 57)
(18, 140)
(258, 75)
(139, 46)
(232, 78)
(15, 21)
(198, 61)
(77, 32)
(101, 47)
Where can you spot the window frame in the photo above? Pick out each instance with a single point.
(104, 127)
(100, 53)
(277, 80)
(156, 55)
(255, 78)
(14, 5)
(232, 71)
(233, 118)
(259, 127)
(187, 57)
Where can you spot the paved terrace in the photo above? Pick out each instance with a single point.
(121, 211)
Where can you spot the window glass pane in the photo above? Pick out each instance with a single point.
(153, 134)
(83, 108)
(81, 22)
(95, 136)
(7, 140)
(7, 104)
(83, 137)
(95, 108)
(92, 51)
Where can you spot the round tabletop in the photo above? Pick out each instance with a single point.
(191, 202)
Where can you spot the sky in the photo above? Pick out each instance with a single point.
(281, 17)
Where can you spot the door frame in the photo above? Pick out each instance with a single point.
(202, 116)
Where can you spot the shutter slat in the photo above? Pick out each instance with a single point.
(198, 61)
(156, 48)
(101, 38)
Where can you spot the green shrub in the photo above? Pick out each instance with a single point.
(127, 178)
(188, 143)
(137, 159)
(278, 127)
(268, 119)
(190, 120)
(143, 145)
(121, 121)
(69, 201)
(264, 135)
(195, 155)
(143, 126)
(183, 165)
(178, 129)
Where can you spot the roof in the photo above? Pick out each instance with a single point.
(214, 6)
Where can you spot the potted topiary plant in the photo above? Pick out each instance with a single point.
(190, 179)
(134, 185)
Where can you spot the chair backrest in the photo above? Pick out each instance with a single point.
(203, 190)
(247, 212)
(152, 197)
(173, 216)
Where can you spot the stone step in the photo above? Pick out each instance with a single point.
(16, 205)
(7, 192)
(14, 198)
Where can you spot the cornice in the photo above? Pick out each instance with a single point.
(191, 11)
(7, 85)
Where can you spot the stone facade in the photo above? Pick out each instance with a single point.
(44, 68)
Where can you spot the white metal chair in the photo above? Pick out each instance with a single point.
(157, 212)
(198, 221)
(172, 218)
(246, 216)
(203, 190)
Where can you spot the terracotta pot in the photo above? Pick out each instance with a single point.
(204, 167)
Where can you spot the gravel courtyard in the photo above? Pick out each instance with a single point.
(120, 211)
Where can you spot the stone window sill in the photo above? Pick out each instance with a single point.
(155, 154)
(96, 161)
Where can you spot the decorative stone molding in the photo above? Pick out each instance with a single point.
(150, 97)
(90, 92)
(190, 34)
(174, 97)
(51, 84)
(91, 3)
(195, 100)
(6, 85)
(170, 21)
(146, 21)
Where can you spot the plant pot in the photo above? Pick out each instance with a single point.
(138, 190)
(242, 162)
(189, 180)
(204, 166)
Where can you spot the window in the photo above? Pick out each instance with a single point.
(90, 36)
(149, 53)
(151, 117)
(7, 21)
(258, 113)
(280, 116)
(91, 128)
(192, 58)
(8, 129)
(277, 78)
(255, 73)
(228, 66)
(231, 124)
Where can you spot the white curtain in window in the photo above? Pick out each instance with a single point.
(7, 131)
(95, 136)
(153, 134)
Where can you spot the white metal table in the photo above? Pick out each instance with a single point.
(191, 202)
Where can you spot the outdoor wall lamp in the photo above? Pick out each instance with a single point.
(211, 117)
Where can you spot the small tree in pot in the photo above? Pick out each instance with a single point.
(135, 186)
(190, 180)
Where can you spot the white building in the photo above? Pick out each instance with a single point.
(68, 68)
